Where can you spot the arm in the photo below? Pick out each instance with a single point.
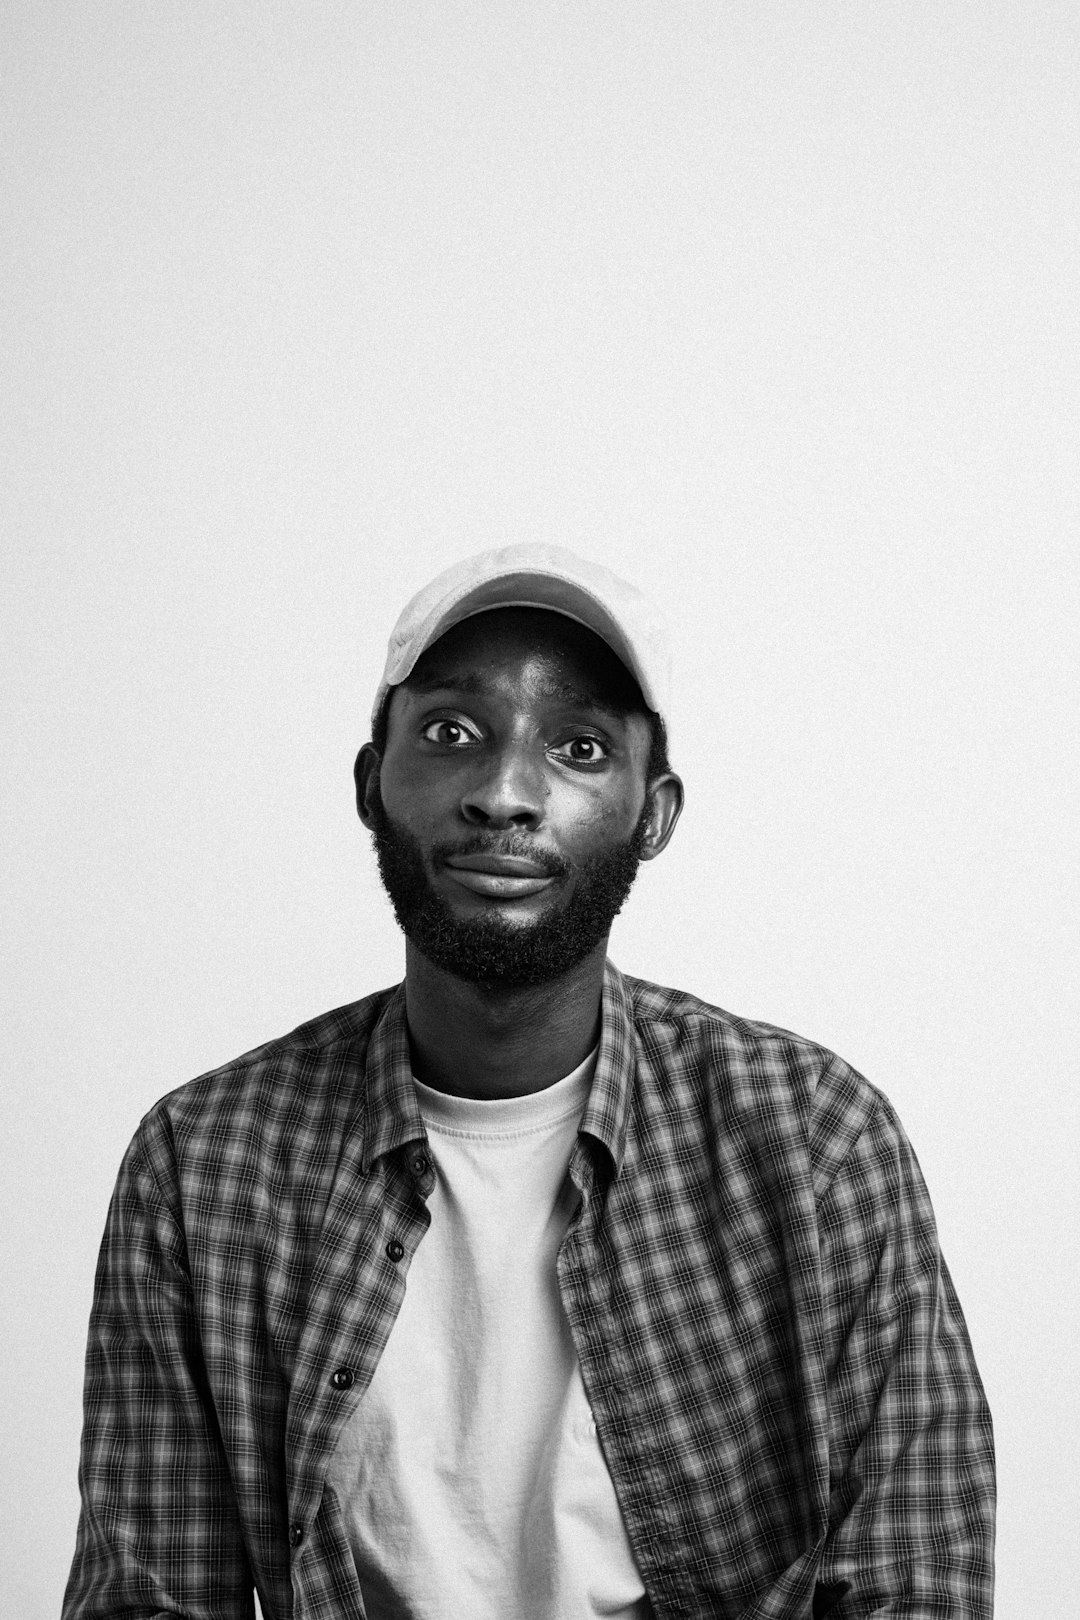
(159, 1533)
(912, 1477)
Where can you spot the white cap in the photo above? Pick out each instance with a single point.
(541, 577)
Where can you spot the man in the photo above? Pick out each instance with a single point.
(527, 1289)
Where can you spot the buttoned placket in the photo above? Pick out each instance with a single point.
(410, 1177)
(406, 1232)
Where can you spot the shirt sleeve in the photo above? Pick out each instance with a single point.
(159, 1533)
(912, 1465)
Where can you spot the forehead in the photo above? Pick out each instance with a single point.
(555, 654)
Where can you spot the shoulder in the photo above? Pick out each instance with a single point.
(291, 1088)
(754, 1051)
(768, 1081)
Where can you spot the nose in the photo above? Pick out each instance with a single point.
(508, 791)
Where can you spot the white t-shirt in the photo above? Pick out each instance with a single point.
(470, 1475)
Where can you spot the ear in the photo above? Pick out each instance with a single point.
(665, 796)
(366, 777)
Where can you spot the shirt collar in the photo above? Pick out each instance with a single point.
(392, 1113)
(607, 1110)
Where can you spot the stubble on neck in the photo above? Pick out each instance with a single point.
(473, 1039)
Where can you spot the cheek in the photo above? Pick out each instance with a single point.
(407, 809)
(595, 821)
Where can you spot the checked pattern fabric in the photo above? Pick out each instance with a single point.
(778, 1368)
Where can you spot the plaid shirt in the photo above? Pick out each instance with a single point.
(777, 1364)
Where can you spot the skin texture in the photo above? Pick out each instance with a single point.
(519, 743)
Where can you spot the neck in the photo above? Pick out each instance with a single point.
(486, 1041)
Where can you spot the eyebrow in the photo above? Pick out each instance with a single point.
(472, 684)
(583, 700)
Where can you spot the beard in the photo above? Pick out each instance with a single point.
(488, 948)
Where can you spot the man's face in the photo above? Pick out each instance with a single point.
(510, 810)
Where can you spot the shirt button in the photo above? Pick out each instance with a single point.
(420, 1166)
(395, 1250)
(343, 1378)
(296, 1534)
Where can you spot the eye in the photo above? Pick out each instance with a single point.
(448, 733)
(583, 750)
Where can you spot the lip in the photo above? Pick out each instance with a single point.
(499, 877)
(498, 865)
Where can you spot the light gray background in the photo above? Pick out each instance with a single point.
(771, 306)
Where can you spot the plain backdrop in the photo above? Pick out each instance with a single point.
(771, 306)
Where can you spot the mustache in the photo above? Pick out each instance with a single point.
(513, 844)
